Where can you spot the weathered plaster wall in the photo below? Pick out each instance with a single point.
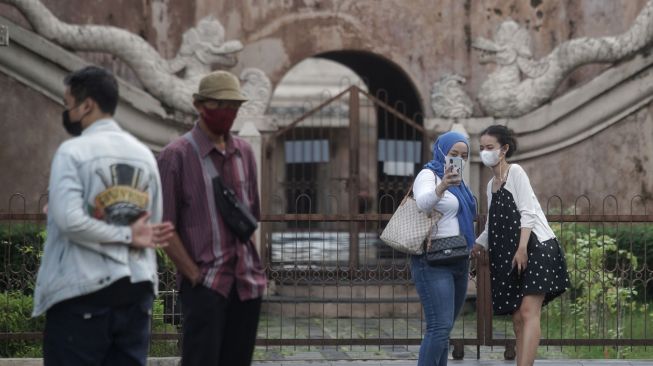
(425, 38)
(31, 132)
(160, 22)
(613, 169)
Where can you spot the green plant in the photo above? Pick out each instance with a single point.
(162, 348)
(16, 309)
(638, 239)
(601, 292)
(21, 248)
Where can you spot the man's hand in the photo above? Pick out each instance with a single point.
(197, 278)
(146, 235)
(184, 263)
(163, 232)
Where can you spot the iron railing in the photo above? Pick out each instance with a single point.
(316, 298)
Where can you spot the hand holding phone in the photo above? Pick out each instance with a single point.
(454, 164)
(453, 170)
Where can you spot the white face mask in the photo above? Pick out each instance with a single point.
(490, 158)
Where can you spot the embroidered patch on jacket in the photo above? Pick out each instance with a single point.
(125, 197)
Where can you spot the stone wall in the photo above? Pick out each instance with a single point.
(423, 38)
(617, 162)
(611, 171)
(30, 134)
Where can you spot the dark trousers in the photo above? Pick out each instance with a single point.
(217, 330)
(83, 333)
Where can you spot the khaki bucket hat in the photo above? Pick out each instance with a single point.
(220, 85)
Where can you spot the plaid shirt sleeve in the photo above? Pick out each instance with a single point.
(253, 187)
(170, 184)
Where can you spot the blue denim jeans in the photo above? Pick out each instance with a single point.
(442, 291)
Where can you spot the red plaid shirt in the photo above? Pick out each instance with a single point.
(185, 204)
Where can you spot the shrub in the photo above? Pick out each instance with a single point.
(16, 310)
(638, 239)
(602, 296)
(21, 247)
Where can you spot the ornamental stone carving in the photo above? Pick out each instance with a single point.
(172, 81)
(519, 84)
(449, 100)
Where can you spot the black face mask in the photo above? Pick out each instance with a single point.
(73, 128)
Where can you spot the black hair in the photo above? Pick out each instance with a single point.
(95, 83)
(504, 135)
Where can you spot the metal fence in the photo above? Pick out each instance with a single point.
(318, 299)
(332, 176)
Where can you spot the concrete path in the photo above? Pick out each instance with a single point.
(174, 361)
(456, 363)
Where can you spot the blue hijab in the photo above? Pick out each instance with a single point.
(467, 204)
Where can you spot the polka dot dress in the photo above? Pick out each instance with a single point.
(546, 271)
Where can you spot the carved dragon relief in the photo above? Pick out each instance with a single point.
(449, 100)
(172, 81)
(519, 84)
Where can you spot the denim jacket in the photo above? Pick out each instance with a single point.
(98, 182)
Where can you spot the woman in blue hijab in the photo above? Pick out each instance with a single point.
(442, 287)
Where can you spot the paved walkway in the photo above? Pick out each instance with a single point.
(174, 361)
(456, 363)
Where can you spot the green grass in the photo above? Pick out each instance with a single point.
(162, 348)
(633, 323)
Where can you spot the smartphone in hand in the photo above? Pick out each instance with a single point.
(454, 164)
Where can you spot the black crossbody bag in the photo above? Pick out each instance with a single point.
(234, 213)
(446, 250)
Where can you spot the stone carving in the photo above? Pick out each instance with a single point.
(172, 81)
(520, 84)
(449, 100)
(258, 89)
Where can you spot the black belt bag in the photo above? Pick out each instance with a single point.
(234, 213)
(446, 250)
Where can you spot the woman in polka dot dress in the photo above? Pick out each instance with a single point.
(527, 265)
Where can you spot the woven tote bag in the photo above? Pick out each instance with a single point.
(409, 227)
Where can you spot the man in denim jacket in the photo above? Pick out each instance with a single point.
(98, 278)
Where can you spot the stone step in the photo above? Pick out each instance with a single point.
(372, 290)
(343, 309)
(346, 291)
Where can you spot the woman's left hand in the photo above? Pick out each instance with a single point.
(477, 250)
(520, 260)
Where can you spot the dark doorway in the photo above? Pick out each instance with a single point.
(389, 83)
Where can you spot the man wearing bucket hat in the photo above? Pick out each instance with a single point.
(220, 276)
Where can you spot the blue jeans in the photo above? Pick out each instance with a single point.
(442, 291)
